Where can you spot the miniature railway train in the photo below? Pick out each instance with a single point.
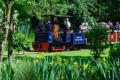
(45, 42)
(54, 40)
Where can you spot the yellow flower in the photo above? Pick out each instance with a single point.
(59, 60)
(104, 59)
(37, 56)
(75, 63)
(40, 57)
(50, 63)
(18, 62)
(64, 60)
(85, 67)
(59, 63)
(36, 61)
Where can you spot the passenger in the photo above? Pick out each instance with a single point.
(67, 24)
(118, 26)
(85, 27)
(82, 27)
(112, 27)
(49, 26)
(42, 27)
(88, 27)
(105, 25)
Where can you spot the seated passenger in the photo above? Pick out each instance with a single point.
(112, 27)
(42, 27)
(118, 26)
(49, 26)
(84, 27)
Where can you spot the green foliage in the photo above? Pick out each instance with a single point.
(82, 10)
(60, 68)
(106, 10)
(21, 42)
(115, 51)
(97, 37)
(23, 9)
(2, 5)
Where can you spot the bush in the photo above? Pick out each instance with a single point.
(97, 38)
(21, 42)
(115, 51)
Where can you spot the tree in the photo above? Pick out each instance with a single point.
(8, 8)
(97, 37)
(82, 10)
(7, 5)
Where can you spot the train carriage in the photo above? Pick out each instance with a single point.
(114, 37)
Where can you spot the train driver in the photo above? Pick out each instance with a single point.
(67, 24)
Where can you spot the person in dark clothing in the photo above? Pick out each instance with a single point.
(49, 26)
(117, 26)
(42, 27)
(112, 27)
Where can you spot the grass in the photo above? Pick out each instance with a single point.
(79, 53)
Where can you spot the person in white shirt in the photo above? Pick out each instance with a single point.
(67, 24)
(84, 27)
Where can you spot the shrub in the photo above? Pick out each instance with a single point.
(21, 42)
(97, 37)
(115, 51)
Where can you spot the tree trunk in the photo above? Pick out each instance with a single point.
(10, 38)
(6, 22)
(3, 43)
(10, 41)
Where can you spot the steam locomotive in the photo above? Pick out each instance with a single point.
(56, 38)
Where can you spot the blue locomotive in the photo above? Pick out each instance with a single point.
(53, 37)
